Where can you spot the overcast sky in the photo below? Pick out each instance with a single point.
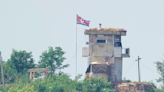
(34, 25)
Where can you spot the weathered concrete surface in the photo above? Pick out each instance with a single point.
(105, 53)
(135, 87)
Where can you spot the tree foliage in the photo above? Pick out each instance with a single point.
(60, 83)
(16, 67)
(53, 58)
(21, 61)
(55, 83)
(97, 85)
(9, 72)
(160, 69)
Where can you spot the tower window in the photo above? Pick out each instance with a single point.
(117, 38)
(101, 41)
(117, 44)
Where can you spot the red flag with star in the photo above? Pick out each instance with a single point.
(82, 21)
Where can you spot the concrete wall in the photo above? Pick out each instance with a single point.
(135, 87)
(106, 52)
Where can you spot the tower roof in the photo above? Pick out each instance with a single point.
(109, 31)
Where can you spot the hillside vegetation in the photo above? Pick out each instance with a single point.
(58, 83)
(16, 77)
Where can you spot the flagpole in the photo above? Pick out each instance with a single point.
(76, 52)
(81, 21)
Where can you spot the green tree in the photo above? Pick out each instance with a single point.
(21, 61)
(160, 69)
(53, 58)
(9, 72)
(61, 83)
(56, 83)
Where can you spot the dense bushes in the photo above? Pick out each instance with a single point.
(59, 83)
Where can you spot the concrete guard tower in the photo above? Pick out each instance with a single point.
(105, 53)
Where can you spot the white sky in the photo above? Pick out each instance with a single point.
(34, 25)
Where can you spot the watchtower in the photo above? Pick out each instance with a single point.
(105, 53)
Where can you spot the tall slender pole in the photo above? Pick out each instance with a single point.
(139, 75)
(76, 52)
(2, 74)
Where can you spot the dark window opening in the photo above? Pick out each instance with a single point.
(101, 41)
(117, 44)
(117, 38)
(127, 51)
